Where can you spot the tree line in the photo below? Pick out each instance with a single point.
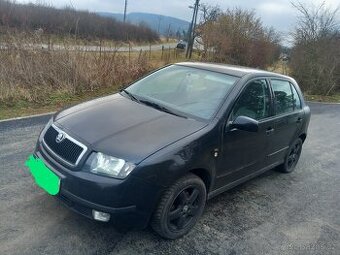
(69, 22)
(237, 36)
(315, 57)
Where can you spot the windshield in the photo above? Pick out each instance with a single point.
(186, 90)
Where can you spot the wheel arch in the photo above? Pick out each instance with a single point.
(303, 137)
(205, 175)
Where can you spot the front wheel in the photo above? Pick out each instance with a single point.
(180, 207)
(292, 157)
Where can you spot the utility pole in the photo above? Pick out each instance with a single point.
(191, 32)
(159, 23)
(168, 33)
(125, 8)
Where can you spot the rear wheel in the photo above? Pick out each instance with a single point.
(180, 207)
(292, 157)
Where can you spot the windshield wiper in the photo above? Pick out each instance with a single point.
(161, 107)
(131, 95)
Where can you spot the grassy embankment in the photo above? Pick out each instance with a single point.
(34, 81)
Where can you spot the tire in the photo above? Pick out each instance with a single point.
(179, 208)
(292, 157)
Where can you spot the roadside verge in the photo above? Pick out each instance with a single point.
(25, 121)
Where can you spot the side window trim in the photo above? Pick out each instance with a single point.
(272, 98)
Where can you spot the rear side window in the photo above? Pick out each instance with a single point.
(284, 101)
(296, 98)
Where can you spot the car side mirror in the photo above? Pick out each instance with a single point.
(245, 123)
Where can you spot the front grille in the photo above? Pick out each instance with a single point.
(67, 150)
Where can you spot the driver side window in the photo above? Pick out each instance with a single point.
(254, 101)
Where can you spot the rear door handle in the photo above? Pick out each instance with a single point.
(299, 120)
(270, 130)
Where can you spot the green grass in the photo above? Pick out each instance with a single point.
(56, 102)
(325, 99)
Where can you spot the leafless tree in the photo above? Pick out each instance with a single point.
(209, 12)
(237, 36)
(315, 60)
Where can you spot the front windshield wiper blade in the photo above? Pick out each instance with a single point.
(134, 98)
(162, 108)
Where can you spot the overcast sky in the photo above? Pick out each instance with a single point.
(276, 13)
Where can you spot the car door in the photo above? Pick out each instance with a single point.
(288, 118)
(244, 152)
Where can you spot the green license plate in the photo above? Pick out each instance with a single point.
(43, 177)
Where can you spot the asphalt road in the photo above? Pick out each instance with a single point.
(275, 213)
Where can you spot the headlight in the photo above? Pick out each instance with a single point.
(99, 163)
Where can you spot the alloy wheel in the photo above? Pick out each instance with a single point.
(184, 208)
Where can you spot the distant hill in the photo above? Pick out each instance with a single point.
(67, 22)
(159, 23)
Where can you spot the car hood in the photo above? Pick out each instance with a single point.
(123, 128)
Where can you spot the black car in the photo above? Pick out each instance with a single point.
(181, 45)
(157, 150)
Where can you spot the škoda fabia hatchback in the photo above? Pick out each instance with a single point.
(157, 150)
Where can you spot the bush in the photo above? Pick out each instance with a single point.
(315, 60)
(238, 37)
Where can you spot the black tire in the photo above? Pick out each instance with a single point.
(292, 157)
(179, 208)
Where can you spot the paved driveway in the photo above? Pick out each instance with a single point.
(296, 213)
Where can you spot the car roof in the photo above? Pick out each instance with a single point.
(233, 70)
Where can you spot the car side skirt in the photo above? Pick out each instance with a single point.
(241, 180)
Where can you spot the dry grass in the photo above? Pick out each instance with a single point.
(36, 75)
(280, 67)
(35, 80)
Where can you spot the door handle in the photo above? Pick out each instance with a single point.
(270, 130)
(299, 120)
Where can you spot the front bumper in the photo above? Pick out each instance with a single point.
(130, 201)
(85, 207)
